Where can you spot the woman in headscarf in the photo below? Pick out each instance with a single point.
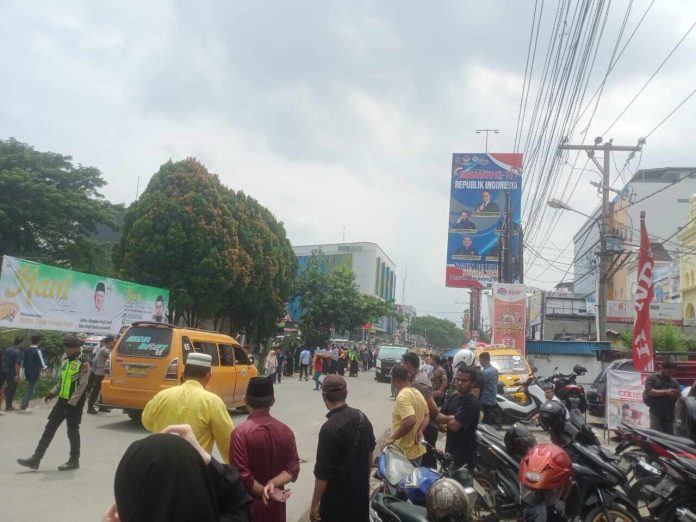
(168, 477)
(271, 365)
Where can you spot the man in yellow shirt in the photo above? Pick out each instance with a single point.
(190, 403)
(409, 417)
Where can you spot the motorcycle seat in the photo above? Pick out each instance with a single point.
(490, 430)
(408, 512)
(669, 438)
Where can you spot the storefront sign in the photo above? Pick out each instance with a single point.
(624, 400)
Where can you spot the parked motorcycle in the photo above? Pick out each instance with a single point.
(568, 390)
(510, 411)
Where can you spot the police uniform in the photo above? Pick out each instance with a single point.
(71, 392)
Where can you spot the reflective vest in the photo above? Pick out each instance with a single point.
(69, 377)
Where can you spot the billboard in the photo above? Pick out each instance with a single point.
(536, 308)
(625, 399)
(482, 187)
(43, 297)
(509, 315)
(660, 313)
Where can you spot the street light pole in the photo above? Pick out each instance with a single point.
(494, 131)
(604, 256)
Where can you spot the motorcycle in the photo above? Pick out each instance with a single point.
(568, 390)
(510, 411)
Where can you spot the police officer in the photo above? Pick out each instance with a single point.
(74, 375)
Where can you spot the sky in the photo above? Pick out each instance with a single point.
(332, 114)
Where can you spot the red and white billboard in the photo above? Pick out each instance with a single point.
(509, 315)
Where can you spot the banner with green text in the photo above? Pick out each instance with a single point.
(43, 297)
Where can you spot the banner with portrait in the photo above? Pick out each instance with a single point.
(42, 297)
(509, 318)
(624, 399)
(483, 188)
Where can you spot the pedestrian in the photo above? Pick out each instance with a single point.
(305, 360)
(420, 382)
(280, 363)
(409, 417)
(462, 410)
(353, 361)
(190, 403)
(489, 389)
(271, 364)
(33, 363)
(660, 395)
(449, 370)
(439, 381)
(264, 451)
(98, 371)
(333, 365)
(344, 459)
(169, 477)
(426, 367)
(74, 374)
(12, 363)
(318, 368)
(342, 358)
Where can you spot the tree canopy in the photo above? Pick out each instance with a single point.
(440, 333)
(50, 209)
(331, 302)
(223, 256)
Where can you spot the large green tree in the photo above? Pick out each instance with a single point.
(181, 235)
(440, 333)
(257, 306)
(331, 301)
(50, 209)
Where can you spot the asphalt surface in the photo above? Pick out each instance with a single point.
(84, 495)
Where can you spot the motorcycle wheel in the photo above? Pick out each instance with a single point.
(616, 514)
(485, 486)
(669, 512)
(640, 498)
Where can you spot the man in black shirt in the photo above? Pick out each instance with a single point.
(344, 459)
(661, 394)
(463, 410)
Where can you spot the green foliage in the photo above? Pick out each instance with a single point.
(51, 342)
(331, 301)
(50, 209)
(43, 386)
(222, 254)
(665, 338)
(440, 333)
(181, 235)
(258, 305)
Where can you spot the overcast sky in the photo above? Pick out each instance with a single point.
(331, 114)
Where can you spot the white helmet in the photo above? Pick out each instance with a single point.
(463, 357)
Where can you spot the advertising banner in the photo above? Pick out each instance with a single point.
(509, 315)
(660, 313)
(536, 308)
(482, 186)
(42, 297)
(624, 401)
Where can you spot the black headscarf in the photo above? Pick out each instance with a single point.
(162, 478)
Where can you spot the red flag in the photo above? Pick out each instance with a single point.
(642, 338)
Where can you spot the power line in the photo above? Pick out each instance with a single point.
(670, 114)
(669, 55)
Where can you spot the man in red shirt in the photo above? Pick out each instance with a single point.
(264, 451)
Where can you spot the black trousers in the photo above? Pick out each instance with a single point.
(94, 386)
(72, 415)
(430, 436)
(661, 424)
(10, 388)
(489, 416)
(304, 368)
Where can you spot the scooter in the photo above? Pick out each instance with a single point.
(510, 411)
(568, 390)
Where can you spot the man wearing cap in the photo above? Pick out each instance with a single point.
(190, 403)
(71, 392)
(660, 395)
(344, 459)
(264, 451)
(98, 368)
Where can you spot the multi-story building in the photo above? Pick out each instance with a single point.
(374, 272)
(687, 264)
(659, 192)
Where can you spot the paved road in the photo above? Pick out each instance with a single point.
(83, 495)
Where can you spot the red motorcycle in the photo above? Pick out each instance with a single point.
(568, 390)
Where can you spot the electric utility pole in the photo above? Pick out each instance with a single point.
(487, 131)
(603, 254)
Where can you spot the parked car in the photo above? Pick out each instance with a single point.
(597, 393)
(387, 358)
